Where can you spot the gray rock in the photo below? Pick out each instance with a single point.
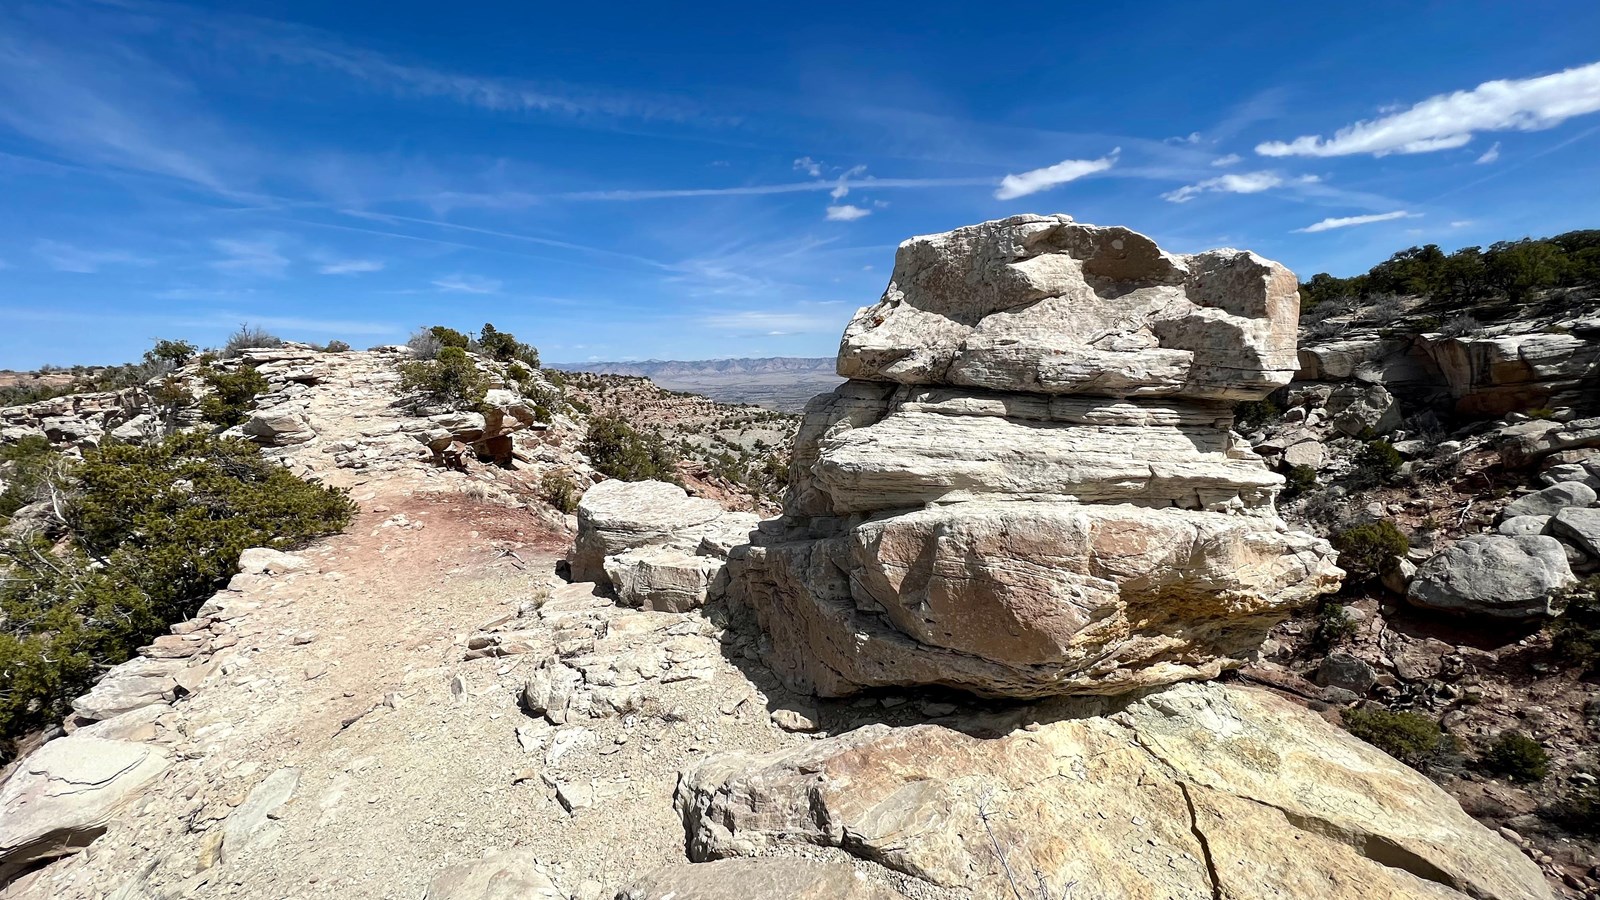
(1495, 576)
(135, 684)
(60, 798)
(1570, 472)
(1551, 500)
(279, 426)
(1516, 525)
(1341, 670)
(1579, 527)
(614, 516)
(1397, 575)
(248, 824)
(1357, 408)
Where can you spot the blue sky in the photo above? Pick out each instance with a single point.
(704, 180)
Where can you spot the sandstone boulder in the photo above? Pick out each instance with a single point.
(1525, 444)
(1030, 485)
(614, 516)
(1493, 575)
(1197, 791)
(62, 797)
(1362, 408)
(1046, 305)
(664, 578)
(135, 684)
(279, 426)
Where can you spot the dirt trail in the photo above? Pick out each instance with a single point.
(348, 691)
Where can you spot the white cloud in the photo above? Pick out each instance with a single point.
(847, 213)
(809, 166)
(468, 284)
(351, 266)
(1229, 160)
(1031, 182)
(249, 258)
(1241, 183)
(1348, 221)
(1446, 121)
(1490, 155)
(68, 258)
(1460, 223)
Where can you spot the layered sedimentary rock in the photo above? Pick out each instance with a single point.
(1195, 792)
(1029, 485)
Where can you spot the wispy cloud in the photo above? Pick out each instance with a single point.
(1348, 221)
(847, 213)
(250, 257)
(1461, 223)
(468, 284)
(65, 257)
(1240, 183)
(351, 266)
(794, 187)
(1036, 180)
(1231, 159)
(809, 166)
(1447, 121)
(1490, 155)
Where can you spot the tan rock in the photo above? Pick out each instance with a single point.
(759, 879)
(614, 516)
(513, 874)
(1045, 305)
(1198, 791)
(62, 797)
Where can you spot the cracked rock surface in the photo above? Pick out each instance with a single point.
(1196, 791)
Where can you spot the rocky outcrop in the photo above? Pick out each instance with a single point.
(62, 797)
(1196, 791)
(1029, 485)
(656, 546)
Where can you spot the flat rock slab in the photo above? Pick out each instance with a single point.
(1195, 792)
(62, 797)
(1493, 575)
(614, 516)
(759, 879)
(1551, 500)
(1578, 527)
(135, 684)
(249, 823)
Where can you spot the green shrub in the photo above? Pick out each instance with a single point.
(1576, 634)
(232, 396)
(1252, 414)
(1409, 737)
(1517, 757)
(1378, 461)
(152, 531)
(336, 347)
(1577, 808)
(26, 466)
(1299, 480)
(1365, 550)
(175, 352)
(616, 450)
(427, 342)
(450, 379)
(504, 347)
(559, 491)
(1334, 626)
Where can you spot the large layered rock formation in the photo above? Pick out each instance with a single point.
(1029, 485)
(1194, 792)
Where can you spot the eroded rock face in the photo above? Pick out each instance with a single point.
(1196, 791)
(1043, 304)
(1030, 485)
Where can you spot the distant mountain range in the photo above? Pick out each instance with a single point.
(777, 382)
